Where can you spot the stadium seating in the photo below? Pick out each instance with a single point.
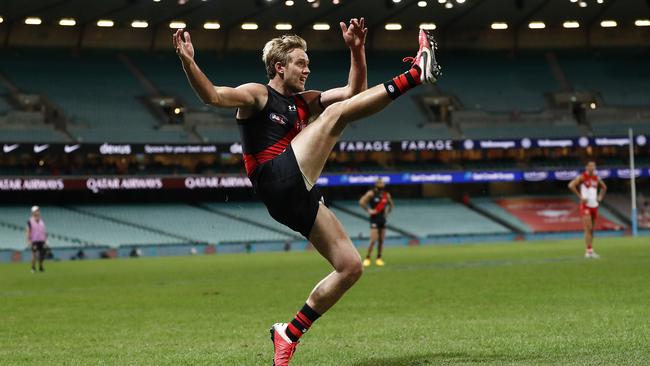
(218, 133)
(507, 130)
(356, 227)
(100, 96)
(497, 82)
(13, 237)
(621, 203)
(488, 205)
(4, 105)
(96, 91)
(254, 211)
(85, 229)
(619, 128)
(164, 70)
(30, 133)
(620, 76)
(187, 221)
(435, 217)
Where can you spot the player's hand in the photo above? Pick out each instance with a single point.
(583, 200)
(354, 35)
(372, 212)
(183, 45)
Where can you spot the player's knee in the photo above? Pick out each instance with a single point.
(332, 114)
(352, 269)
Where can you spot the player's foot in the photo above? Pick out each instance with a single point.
(426, 58)
(33, 270)
(282, 345)
(367, 262)
(591, 255)
(380, 262)
(42, 269)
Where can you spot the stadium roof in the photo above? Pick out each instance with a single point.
(446, 14)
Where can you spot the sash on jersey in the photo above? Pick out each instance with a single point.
(381, 205)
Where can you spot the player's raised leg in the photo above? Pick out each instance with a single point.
(313, 145)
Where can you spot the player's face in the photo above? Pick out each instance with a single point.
(591, 167)
(296, 71)
(380, 184)
(37, 215)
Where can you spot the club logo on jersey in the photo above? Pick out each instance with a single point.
(292, 108)
(278, 118)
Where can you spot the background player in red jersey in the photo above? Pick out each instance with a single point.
(378, 204)
(589, 182)
(288, 134)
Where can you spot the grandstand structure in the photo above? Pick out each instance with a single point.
(105, 100)
(509, 96)
(245, 226)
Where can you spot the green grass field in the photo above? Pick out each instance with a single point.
(517, 303)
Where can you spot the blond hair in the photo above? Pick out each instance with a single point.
(278, 49)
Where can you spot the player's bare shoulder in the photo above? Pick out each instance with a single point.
(257, 90)
(259, 93)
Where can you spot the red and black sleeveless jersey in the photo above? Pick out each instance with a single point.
(268, 132)
(379, 201)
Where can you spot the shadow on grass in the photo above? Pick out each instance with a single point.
(445, 358)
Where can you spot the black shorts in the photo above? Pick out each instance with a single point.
(280, 185)
(378, 222)
(38, 246)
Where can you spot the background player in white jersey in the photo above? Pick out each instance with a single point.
(589, 182)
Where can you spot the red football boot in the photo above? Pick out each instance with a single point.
(283, 346)
(426, 58)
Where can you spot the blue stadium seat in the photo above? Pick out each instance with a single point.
(620, 76)
(496, 82)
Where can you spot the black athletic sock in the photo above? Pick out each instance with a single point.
(301, 323)
(400, 84)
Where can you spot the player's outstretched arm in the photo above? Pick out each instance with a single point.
(354, 36)
(246, 95)
(573, 186)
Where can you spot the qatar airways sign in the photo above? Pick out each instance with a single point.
(35, 184)
(115, 184)
(216, 182)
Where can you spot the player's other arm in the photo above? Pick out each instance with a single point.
(354, 36)
(243, 96)
(573, 186)
(603, 189)
(363, 202)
